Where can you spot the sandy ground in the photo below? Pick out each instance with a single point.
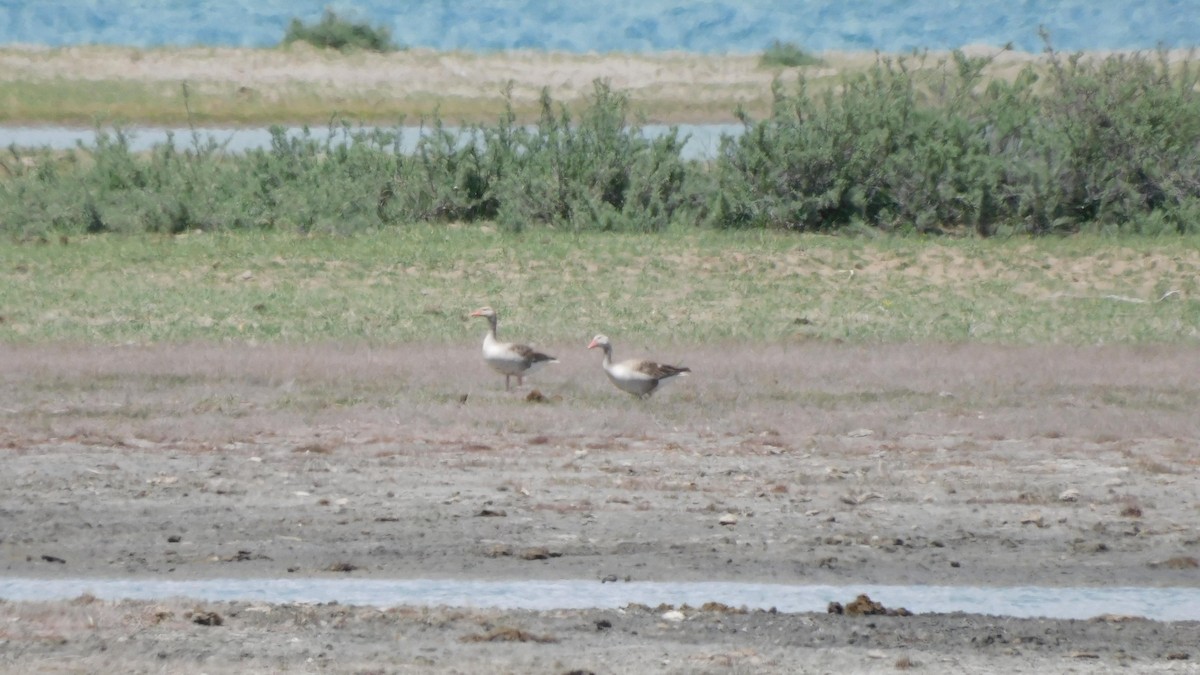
(301, 84)
(828, 464)
(233, 85)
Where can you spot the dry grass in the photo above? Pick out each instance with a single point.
(78, 85)
(302, 85)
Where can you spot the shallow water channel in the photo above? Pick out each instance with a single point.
(702, 140)
(1164, 604)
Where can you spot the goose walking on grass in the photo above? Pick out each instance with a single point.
(636, 376)
(507, 358)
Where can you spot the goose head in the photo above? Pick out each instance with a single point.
(599, 341)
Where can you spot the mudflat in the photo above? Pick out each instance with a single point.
(801, 463)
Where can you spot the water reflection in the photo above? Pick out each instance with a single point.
(1165, 604)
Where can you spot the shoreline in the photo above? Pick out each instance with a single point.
(1036, 602)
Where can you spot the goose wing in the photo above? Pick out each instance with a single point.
(530, 355)
(659, 371)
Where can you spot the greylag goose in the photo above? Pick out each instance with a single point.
(636, 376)
(509, 359)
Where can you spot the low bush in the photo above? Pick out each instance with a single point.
(595, 173)
(335, 32)
(599, 172)
(1111, 144)
(787, 55)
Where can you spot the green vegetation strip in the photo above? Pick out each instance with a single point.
(1074, 145)
(416, 284)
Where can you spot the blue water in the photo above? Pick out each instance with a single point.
(715, 26)
(1163, 604)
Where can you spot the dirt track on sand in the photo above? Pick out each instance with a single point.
(839, 465)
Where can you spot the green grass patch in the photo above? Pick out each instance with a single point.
(417, 284)
(86, 103)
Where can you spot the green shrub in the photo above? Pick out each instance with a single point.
(334, 32)
(870, 151)
(599, 172)
(787, 55)
(335, 183)
(451, 176)
(1113, 140)
(1092, 143)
